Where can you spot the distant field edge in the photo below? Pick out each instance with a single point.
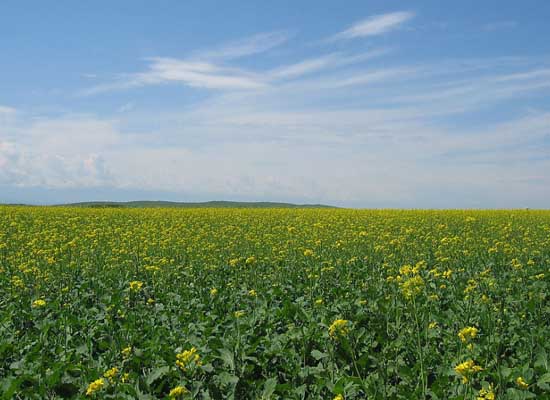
(175, 204)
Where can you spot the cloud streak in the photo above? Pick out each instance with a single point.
(323, 63)
(255, 44)
(193, 74)
(375, 25)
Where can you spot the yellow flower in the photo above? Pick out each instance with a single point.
(412, 287)
(433, 325)
(187, 358)
(95, 386)
(238, 314)
(252, 293)
(338, 328)
(125, 377)
(152, 268)
(126, 351)
(250, 260)
(38, 303)
(467, 369)
(308, 252)
(486, 393)
(150, 301)
(467, 334)
(213, 292)
(135, 286)
(521, 383)
(338, 397)
(111, 373)
(319, 302)
(405, 270)
(177, 392)
(17, 282)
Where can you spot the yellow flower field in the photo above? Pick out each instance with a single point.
(273, 304)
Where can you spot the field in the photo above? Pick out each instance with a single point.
(273, 304)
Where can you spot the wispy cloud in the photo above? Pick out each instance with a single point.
(196, 74)
(375, 25)
(370, 77)
(306, 67)
(499, 25)
(538, 73)
(471, 92)
(203, 69)
(255, 44)
(329, 61)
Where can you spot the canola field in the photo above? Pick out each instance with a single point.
(273, 304)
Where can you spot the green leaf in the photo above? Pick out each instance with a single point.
(269, 388)
(542, 360)
(156, 374)
(318, 355)
(544, 378)
(228, 358)
(227, 378)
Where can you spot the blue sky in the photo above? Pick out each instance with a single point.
(358, 103)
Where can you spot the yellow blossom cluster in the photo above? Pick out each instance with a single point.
(339, 328)
(468, 333)
(95, 386)
(188, 358)
(177, 392)
(136, 286)
(467, 369)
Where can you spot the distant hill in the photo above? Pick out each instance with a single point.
(206, 204)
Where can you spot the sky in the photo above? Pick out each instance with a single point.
(369, 104)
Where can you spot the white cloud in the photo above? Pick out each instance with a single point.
(7, 110)
(196, 74)
(329, 61)
(201, 75)
(205, 75)
(255, 44)
(370, 77)
(375, 25)
(248, 150)
(306, 67)
(56, 152)
(201, 69)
